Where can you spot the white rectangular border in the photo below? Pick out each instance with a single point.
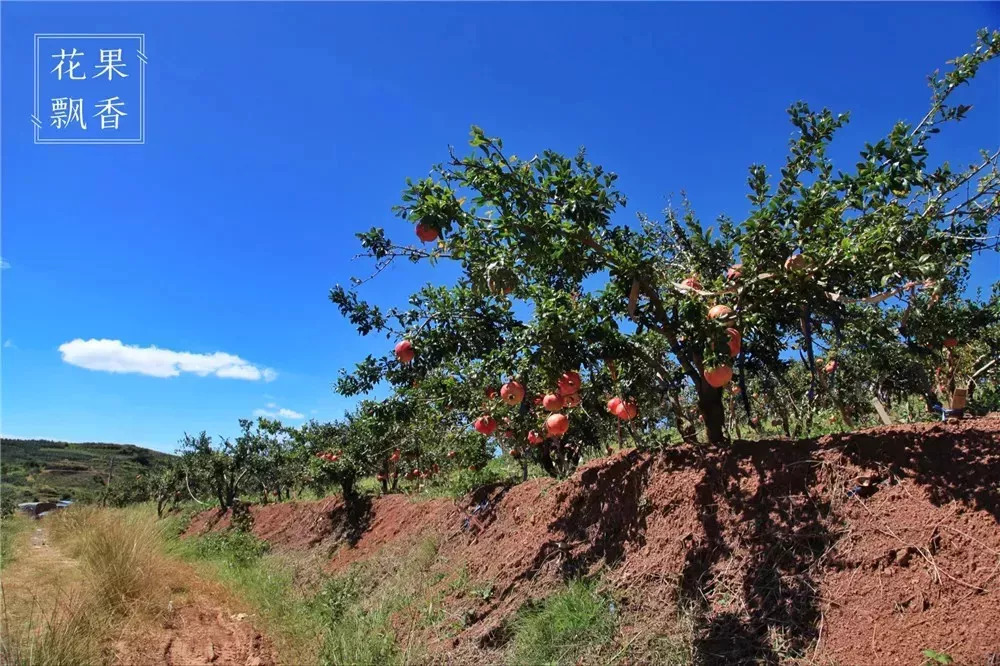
(142, 90)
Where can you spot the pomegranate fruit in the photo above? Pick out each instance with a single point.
(627, 411)
(571, 400)
(720, 312)
(485, 425)
(404, 351)
(557, 424)
(552, 402)
(950, 342)
(613, 405)
(718, 376)
(534, 438)
(569, 383)
(426, 233)
(692, 282)
(512, 393)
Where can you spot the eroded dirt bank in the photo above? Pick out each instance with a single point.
(863, 548)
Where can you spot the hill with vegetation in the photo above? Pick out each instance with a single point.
(41, 469)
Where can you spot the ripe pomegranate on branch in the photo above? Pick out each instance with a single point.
(728, 302)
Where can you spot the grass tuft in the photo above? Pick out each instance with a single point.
(120, 553)
(565, 627)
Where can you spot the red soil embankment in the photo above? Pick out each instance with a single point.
(861, 548)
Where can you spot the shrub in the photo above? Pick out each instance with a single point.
(236, 548)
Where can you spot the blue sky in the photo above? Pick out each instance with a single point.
(274, 132)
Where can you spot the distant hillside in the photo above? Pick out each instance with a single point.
(40, 469)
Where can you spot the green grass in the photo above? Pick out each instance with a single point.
(10, 527)
(565, 627)
(342, 619)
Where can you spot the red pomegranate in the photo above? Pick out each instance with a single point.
(485, 425)
(692, 282)
(512, 393)
(718, 376)
(557, 424)
(613, 405)
(569, 383)
(830, 366)
(720, 312)
(404, 351)
(552, 402)
(426, 233)
(950, 342)
(534, 438)
(572, 400)
(627, 411)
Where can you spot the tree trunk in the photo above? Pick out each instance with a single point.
(711, 407)
(347, 487)
(545, 460)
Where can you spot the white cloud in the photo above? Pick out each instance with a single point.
(114, 356)
(9, 344)
(275, 412)
(4, 264)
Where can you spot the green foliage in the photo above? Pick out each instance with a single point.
(45, 470)
(234, 548)
(363, 638)
(935, 657)
(550, 283)
(564, 627)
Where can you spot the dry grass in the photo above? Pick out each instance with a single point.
(81, 579)
(121, 554)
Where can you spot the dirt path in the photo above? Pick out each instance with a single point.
(198, 633)
(198, 627)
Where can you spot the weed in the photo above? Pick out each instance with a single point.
(483, 592)
(361, 639)
(335, 597)
(233, 547)
(934, 657)
(564, 627)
